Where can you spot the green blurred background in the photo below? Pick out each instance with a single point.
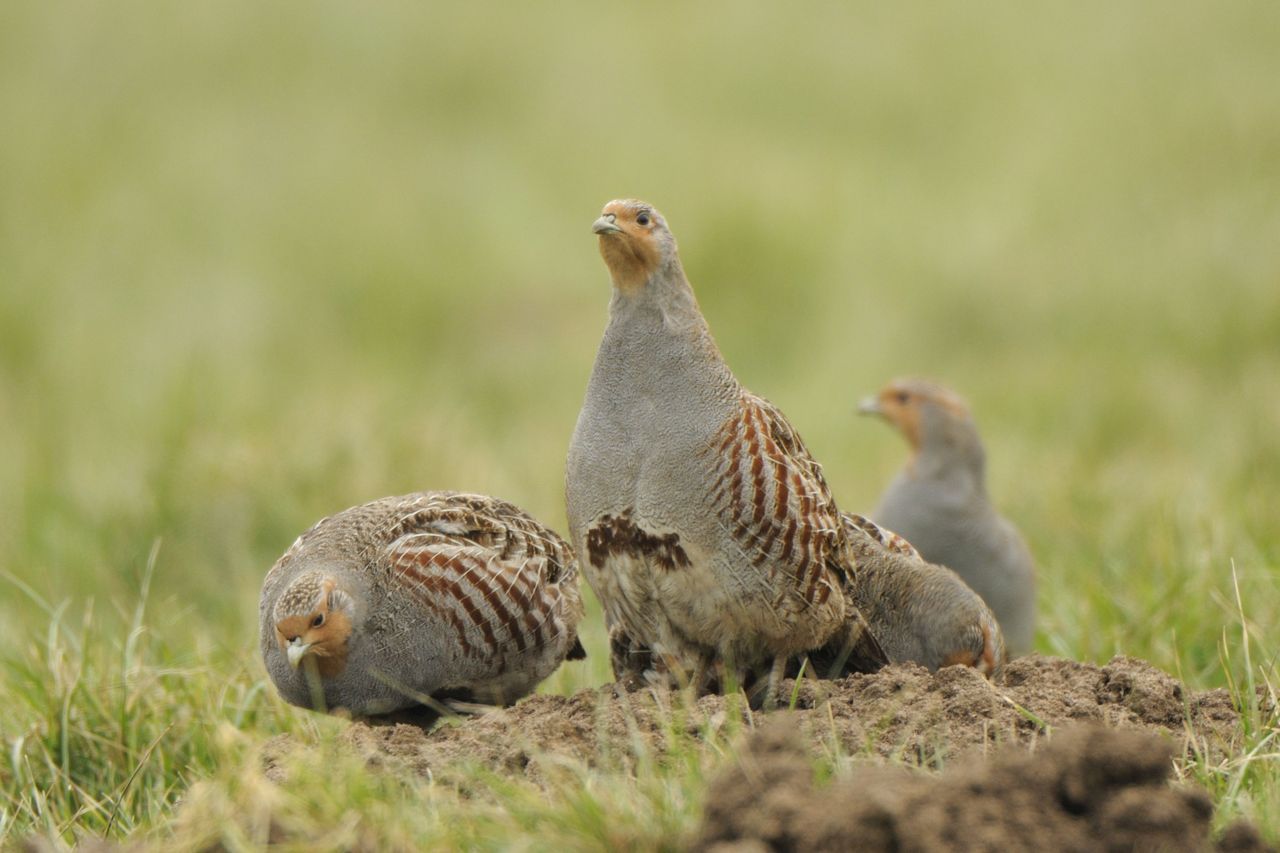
(263, 261)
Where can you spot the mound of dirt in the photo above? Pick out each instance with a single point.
(1087, 788)
(902, 713)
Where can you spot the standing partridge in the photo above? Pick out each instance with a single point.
(706, 528)
(920, 612)
(939, 502)
(433, 594)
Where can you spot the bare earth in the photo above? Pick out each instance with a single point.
(1089, 788)
(1089, 784)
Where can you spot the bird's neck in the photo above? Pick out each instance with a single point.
(658, 338)
(663, 293)
(959, 460)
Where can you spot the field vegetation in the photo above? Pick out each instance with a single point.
(261, 262)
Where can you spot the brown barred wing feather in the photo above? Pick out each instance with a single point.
(493, 573)
(770, 494)
(886, 537)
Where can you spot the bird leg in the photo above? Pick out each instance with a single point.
(698, 677)
(702, 671)
(846, 649)
(776, 674)
(677, 677)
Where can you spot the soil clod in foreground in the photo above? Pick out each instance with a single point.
(1087, 788)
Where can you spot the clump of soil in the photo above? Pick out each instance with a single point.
(902, 713)
(1087, 788)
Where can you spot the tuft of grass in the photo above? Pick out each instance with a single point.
(325, 797)
(106, 727)
(1247, 784)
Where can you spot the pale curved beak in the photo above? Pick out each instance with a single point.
(870, 406)
(605, 225)
(296, 651)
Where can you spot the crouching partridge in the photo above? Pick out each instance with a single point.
(939, 502)
(434, 594)
(920, 612)
(705, 527)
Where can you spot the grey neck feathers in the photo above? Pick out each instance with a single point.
(659, 331)
(951, 450)
(666, 294)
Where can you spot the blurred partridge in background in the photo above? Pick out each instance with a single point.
(433, 594)
(939, 503)
(705, 527)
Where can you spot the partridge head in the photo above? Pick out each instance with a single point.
(934, 420)
(634, 242)
(314, 617)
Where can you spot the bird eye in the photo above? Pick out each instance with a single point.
(903, 397)
(318, 621)
(642, 219)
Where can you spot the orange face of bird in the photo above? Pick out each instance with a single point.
(318, 629)
(902, 402)
(631, 241)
